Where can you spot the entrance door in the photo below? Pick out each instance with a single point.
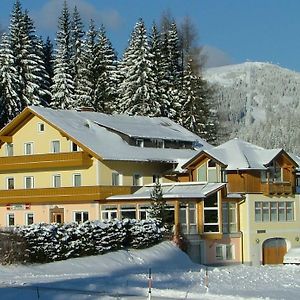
(56, 215)
(274, 251)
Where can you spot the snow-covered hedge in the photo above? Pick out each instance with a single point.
(50, 242)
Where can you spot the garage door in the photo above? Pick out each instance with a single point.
(274, 251)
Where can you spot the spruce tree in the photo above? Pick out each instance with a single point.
(63, 81)
(106, 64)
(10, 105)
(157, 208)
(76, 56)
(29, 63)
(137, 89)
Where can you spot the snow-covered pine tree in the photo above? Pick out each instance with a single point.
(157, 209)
(63, 82)
(29, 63)
(77, 61)
(106, 64)
(172, 69)
(158, 71)
(137, 89)
(10, 105)
(48, 59)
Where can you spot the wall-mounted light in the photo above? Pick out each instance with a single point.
(297, 238)
(257, 241)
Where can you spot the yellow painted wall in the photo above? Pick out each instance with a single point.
(253, 241)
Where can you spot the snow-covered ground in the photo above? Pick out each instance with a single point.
(124, 275)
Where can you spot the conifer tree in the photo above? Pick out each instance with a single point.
(106, 64)
(157, 209)
(10, 105)
(137, 89)
(29, 63)
(77, 60)
(48, 59)
(63, 82)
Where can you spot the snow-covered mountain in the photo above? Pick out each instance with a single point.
(258, 102)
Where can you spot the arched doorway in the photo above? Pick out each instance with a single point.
(273, 251)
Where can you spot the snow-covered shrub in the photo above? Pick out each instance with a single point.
(144, 233)
(51, 242)
(12, 249)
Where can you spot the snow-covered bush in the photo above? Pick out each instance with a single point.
(50, 242)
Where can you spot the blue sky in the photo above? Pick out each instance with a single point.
(232, 31)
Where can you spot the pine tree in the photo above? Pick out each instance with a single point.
(137, 89)
(157, 208)
(172, 70)
(29, 63)
(77, 60)
(63, 82)
(48, 59)
(106, 64)
(10, 105)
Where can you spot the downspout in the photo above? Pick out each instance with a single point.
(242, 234)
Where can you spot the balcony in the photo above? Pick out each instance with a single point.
(270, 188)
(45, 161)
(64, 194)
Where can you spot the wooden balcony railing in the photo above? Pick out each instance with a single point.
(45, 161)
(269, 188)
(63, 194)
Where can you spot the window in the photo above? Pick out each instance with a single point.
(139, 143)
(29, 182)
(211, 171)
(55, 146)
(10, 183)
(143, 212)
(41, 127)
(277, 211)
(10, 220)
(109, 212)
(29, 218)
(229, 217)
(116, 178)
(159, 143)
(128, 211)
(202, 173)
(155, 178)
(224, 252)
(272, 174)
(28, 148)
(211, 214)
(188, 218)
(81, 216)
(224, 177)
(56, 181)
(75, 147)
(137, 180)
(9, 149)
(76, 179)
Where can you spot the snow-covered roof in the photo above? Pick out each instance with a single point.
(85, 127)
(177, 190)
(237, 154)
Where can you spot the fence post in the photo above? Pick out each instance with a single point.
(149, 284)
(206, 279)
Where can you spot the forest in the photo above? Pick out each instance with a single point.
(159, 73)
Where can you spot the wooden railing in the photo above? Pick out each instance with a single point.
(63, 194)
(45, 161)
(269, 188)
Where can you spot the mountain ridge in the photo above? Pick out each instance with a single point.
(258, 102)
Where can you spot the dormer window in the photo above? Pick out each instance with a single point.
(160, 143)
(139, 143)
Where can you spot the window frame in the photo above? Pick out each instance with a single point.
(8, 215)
(77, 175)
(41, 127)
(25, 182)
(287, 208)
(54, 176)
(31, 148)
(81, 213)
(9, 149)
(7, 183)
(27, 214)
(53, 147)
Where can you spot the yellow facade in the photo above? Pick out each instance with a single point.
(38, 176)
